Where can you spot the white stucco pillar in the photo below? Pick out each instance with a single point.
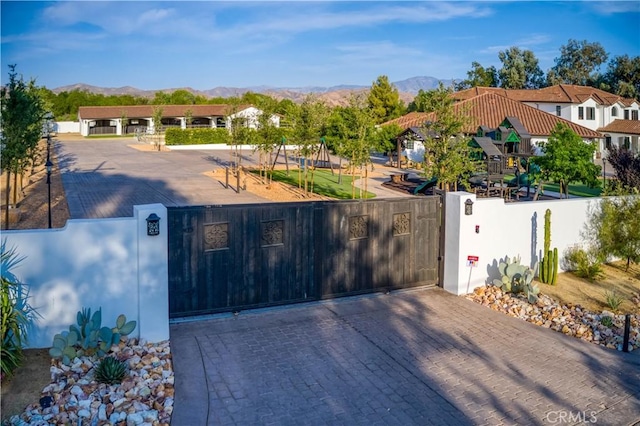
(153, 275)
(460, 245)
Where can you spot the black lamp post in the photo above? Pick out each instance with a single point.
(604, 173)
(49, 166)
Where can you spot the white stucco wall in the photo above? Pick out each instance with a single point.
(108, 263)
(415, 154)
(66, 127)
(505, 229)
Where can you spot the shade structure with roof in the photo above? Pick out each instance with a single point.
(122, 120)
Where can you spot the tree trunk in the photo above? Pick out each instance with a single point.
(7, 197)
(538, 190)
(366, 183)
(15, 189)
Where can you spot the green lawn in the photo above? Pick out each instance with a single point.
(577, 189)
(324, 183)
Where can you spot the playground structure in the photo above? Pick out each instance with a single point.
(506, 150)
(322, 158)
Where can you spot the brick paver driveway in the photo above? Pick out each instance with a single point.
(107, 177)
(408, 358)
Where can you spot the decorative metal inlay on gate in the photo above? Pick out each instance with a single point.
(401, 224)
(358, 227)
(216, 236)
(272, 233)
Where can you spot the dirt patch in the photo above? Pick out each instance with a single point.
(591, 294)
(26, 385)
(148, 147)
(33, 196)
(274, 191)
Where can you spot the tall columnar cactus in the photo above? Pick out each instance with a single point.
(549, 264)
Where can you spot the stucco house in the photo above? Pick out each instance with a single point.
(490, 109)
(625, 134)
(122, 120)
(589, 107)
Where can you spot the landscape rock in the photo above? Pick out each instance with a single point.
(78, 398)
(572, 320)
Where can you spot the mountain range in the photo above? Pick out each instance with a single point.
(334, 95)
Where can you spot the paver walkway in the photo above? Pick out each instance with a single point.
(107, 177)
(408, 358)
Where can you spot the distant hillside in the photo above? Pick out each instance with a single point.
(334, 95)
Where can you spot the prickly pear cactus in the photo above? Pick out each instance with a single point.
(517, 278)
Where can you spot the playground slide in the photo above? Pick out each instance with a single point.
(424, 185)
(523, 180)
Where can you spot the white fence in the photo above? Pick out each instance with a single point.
(497, 229)
(108, 263)
(114, 264)
(66, 127)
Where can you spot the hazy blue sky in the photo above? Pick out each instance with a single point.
(154, 45)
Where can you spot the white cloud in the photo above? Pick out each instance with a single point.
(613, 7)
(524, 43)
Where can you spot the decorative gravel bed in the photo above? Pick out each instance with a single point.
(74, 397)
(572, 320)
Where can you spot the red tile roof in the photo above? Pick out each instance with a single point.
(490, 109)
(631, 127)
(561, 93)
(143, 111)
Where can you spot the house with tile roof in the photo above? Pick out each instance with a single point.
(625, 134)
(587, 106)
(122, 120)
(489, 109)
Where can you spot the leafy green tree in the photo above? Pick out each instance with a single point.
(358, 139)
(614, 228)
(308, 125)
(161, 98)
(479, 76)
(336, 133)
(268, 135)
(384, 100)
(22, 115)
(385, 139)
(578, 63)
(157, 125)
(623, 76)
(428, 100)
(567, 158)
(520, 69)
(182, 97)
(448, 156)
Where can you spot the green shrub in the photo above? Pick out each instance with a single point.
(17, 314)
(613, 300)
(110, 371)
(606, 321)
(175, 136)
(583, 263)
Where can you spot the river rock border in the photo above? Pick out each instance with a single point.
(569, 319)
(145, 396)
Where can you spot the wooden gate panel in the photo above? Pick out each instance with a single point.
(227, 258)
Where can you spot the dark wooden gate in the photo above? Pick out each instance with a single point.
(229, 258)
